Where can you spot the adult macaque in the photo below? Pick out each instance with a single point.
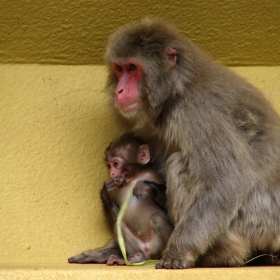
(145, 226)
(222, 141)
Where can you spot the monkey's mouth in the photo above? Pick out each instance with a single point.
(130, 107)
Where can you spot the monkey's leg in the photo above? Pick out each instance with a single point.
(176, 202)
(132, 245)
(161, 231)
(232, 249)
(99, 255)
(253, 233)
(178, 178)
(111, 206)
(199, 209)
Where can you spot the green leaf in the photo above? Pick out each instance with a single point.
(119, 231)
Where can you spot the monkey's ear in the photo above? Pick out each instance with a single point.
(172, 56)
(143, 154)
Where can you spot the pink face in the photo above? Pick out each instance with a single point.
(130, 75)
(115, 166)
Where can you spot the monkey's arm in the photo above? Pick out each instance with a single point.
(110, 206)
(205, 196)
(98, 255)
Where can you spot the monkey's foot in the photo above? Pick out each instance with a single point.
(115, 260)
(172, 264)
(137, 257)
(140, 189)
(82, 258)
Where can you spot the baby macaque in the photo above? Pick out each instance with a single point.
(145, 226)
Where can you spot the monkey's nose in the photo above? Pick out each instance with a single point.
(120, 91)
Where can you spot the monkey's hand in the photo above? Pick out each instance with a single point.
(141, 189)
(114, 184)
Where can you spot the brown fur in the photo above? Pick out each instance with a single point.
(145, 226)
(221, 139)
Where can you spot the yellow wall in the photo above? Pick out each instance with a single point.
(55, 125)
(56, 119)
(235, 32)
(55, 122)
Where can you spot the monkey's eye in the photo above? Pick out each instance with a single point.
(132, 67)
(115, 164)
(118, 68)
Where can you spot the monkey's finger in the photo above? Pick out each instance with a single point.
(117, 179)
(160, 264)
(109, 185)
(179, 264)
(121, 180)
(137, 192)
(167, 263)
(113, 188)
(172, 264)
